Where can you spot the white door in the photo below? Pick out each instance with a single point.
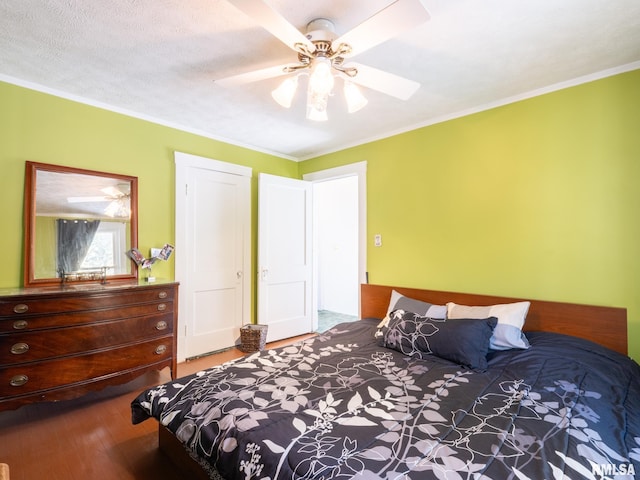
(285, 263)
(213, 231)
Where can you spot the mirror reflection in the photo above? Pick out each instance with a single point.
(82, 224)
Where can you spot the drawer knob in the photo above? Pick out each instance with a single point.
(18, 380)
(160, 349)
(20, 324)
(162, 307)
(19, 348)
(161, 325)
(162, 295)
(21, 308)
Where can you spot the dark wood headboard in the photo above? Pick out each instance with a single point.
(604, 325)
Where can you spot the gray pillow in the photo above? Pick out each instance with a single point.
(463, 341)
(424, 309)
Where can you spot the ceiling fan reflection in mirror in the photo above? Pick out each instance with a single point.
(324, 56)
(118, 198)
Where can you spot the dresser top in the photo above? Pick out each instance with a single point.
(74, 288)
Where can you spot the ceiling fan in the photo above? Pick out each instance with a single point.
(322, 55)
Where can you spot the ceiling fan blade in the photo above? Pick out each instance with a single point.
(88, 199)
(253, 76)
(385, 82)
(273, 22)
(113, 191)
(389, 22)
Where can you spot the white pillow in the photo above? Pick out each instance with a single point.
(511, 317)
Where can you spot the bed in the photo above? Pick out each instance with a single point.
(417, 397)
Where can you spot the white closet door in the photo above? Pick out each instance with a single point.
(285, 266)
(215, 256)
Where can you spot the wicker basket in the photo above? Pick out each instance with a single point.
(253, 338)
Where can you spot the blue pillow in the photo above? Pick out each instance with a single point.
(463, 341)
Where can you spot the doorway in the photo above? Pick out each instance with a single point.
(339, 198)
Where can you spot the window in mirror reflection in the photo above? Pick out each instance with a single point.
(62, 248)
(108, 248)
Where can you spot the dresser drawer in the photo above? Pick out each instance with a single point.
(39, 345)
(51, 374)
(21, 323)
(73, 301)
(61, 343)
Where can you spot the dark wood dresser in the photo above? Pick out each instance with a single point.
(60, 343)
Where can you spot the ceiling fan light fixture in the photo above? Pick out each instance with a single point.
(316, 115)
(354, 97)
(320, 86)
(118, 208)
(317, 105)
(321, 79)
(285, 92)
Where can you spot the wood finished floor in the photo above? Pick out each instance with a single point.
(92, 437)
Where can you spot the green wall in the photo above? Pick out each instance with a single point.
(536, 199)
(48, 129)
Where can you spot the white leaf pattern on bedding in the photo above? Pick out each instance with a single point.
(252, 468)
(373, 414)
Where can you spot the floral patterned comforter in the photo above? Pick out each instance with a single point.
(339, 406)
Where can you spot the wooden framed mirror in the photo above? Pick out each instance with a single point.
(79, 224)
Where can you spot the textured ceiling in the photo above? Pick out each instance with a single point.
(158, 59)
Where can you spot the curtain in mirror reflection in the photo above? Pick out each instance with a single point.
(74, 240)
